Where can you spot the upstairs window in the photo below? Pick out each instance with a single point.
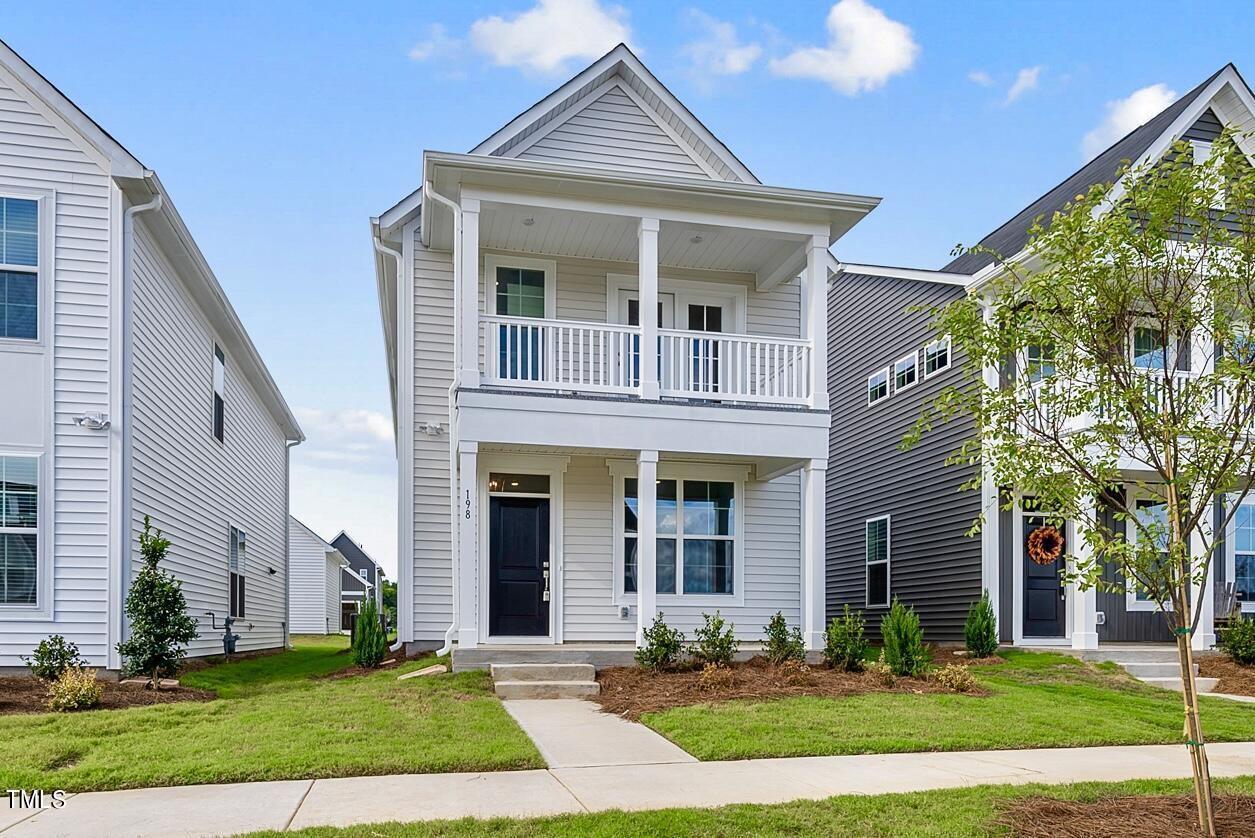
(876, 551)
(520, 292)
(19, 530)
(878, 386)
(19, 269)
(936, 356)
(1039, 362)
(220, 393)
(236, 556)
(906, 372)
(1150, 352)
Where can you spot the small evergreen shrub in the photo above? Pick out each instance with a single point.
(980, 632)
(663, 646)
(845, 647)
(74, 689)
(53, 656)
(904, 641)
(782, 643)
(370, 644)
(881, 671)
(714, 643)
(715, 677)
(955, 677)
(1238, 641)
(160, 625)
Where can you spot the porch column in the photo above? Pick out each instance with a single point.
(990, 504)
(1205, 595)
(646, 541)
(647, 279)
(468, 296)
(468, 544)
(815, 317)
(1084, 603)
(814, 565)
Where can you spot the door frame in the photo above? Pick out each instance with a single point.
(553, 466)
(734, 295)
(1017, 574)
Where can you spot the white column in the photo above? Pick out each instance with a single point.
(1204, 596)
(468, 302)
(990, 543)
(814, 565)
(468, 544)
(1084, 603)
(815, 317)
(647, 279)
(646, 541)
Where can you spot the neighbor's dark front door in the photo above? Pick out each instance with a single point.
(1043, 590)
(518, 561)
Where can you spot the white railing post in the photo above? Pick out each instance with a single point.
(815, 313)
(468, 304)
(647, 273)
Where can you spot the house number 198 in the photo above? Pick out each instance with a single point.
(468, 504)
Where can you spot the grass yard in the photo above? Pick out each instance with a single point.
(932, 814)
(274, 719)
(1037, 700)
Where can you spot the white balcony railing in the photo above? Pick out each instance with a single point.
(576, 356)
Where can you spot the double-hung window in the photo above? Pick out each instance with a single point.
(19, 268)
(696, 537)
(905, 372)
(876, 552)
(220, 393)
(1039, 362)
(936, 356)
(1152, 515)
(19, 530)
(235, 567)
(520, 289)
(878, 386)
(1243, 568)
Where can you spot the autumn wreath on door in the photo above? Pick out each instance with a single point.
(1045, 544)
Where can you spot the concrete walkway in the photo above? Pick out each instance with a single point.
(571, 733)
(226, 809)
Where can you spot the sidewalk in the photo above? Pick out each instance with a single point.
(294, 804)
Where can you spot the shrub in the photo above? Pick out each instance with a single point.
(955, 677)
(75, 689)
(370, 644)
(844, 645)
(1238, 641)
(782, 643)
(980, 633)
(715, 677)
(904, 641)
(160, 625)
(53, 656)
(882, 671)
(714, 643)
(797, 672)
(663, 646)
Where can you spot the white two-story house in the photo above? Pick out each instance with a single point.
(128, 387)
(607, 344)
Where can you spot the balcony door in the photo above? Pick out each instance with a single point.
(630, 313)
(703, 353)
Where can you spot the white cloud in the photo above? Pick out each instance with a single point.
(718, 52)
(437, 44)
(865, 49)
(355, 440)
(980, 77)
(1025, 81)
(546, 36)
(1123, 115)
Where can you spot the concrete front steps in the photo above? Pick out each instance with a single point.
(514, 681)
(1152, 664)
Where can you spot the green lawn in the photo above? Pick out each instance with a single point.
(1037, 700)
(931, 814)
(273, 720)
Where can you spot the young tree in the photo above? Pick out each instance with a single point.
(369, 642)
(160, 625)
(1126, 358)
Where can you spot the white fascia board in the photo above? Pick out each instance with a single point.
(921, 274)
(386, 290)
(399, 213)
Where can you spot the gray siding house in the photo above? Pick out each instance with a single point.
(361, 577)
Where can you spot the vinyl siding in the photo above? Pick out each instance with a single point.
(934, 566)
(37, 152)
(195, 488)
(314, 589)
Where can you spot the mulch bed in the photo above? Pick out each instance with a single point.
(27, 694)
(1163, 816)
(355, 671)
(630, 691)
(943, 655)
(1234, 679)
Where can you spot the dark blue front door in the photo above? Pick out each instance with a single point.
(518, 564)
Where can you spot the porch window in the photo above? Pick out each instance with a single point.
(1152, 514)
(696, 536)
(906, 372)
(1149, 350)
(19, 269)
(876, 542)
(936, 356)
(878, 386)
(520, 292)
(19, 530)
(1244, 556)
(1039, 361)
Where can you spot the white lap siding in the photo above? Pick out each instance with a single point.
(194, 487)
(314, 590)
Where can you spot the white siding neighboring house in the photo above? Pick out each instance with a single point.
(130, 389)
(314, 568)
(607, 343)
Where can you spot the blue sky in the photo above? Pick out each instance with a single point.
(280, 128)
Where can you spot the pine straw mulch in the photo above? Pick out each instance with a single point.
(1163, 816)
(1234, 679)
(630, 691)
(28, 694)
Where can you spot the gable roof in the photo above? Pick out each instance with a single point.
(327, 548)
(1012, 236)
(351, 549)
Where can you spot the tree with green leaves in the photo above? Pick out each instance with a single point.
(369, 641)
(159, 623)
(1111, 368)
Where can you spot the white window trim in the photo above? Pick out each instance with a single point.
(737, 475)
(492, 261)
(44, 273)
(1131, 602)
(949, 357)
(888, 563)
(887, 372)
(42, 609)
(684, 291)
(1231, 554)
(913, 357)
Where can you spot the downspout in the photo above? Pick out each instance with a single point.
(128, 294)
(454, 554)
